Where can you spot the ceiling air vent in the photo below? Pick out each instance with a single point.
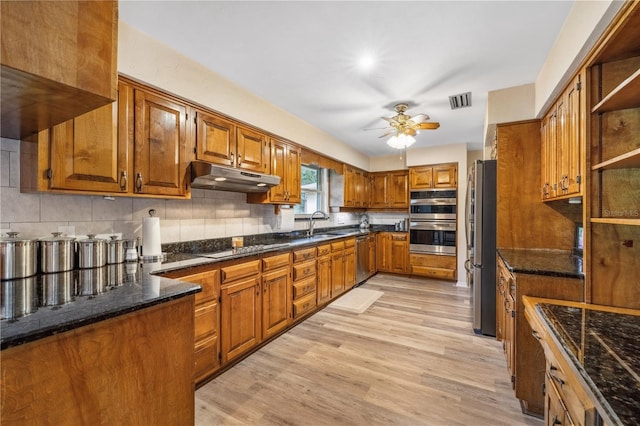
(460, 101)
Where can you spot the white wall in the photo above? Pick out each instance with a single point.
(149, 61)
(507, 105)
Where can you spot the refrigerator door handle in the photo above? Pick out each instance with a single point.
(468, 266)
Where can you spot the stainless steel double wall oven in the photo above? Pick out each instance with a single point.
(432, 217)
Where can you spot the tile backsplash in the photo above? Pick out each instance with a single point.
(208, 214)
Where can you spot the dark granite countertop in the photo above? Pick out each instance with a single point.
(604, 347)
(54, 303)
(556, 263)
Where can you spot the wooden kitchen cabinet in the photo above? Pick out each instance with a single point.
(160, 141)
(348, 187)
(562, 151)
(241, 308)
(349, 263)
(525, 357)
(337, 269)
(285, 163)
(390, 190)
(323, 295)
(220, 140)
(207, 358)
(433, 266)
(392, 251)
(304, 281)
(276, 294)
(433, 176)
(59, 61)
(136, 146)
(612, 230)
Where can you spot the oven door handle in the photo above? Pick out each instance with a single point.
(433, 226)
(434, 202)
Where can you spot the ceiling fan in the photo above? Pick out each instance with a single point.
(405, 124)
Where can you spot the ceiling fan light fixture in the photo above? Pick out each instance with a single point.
(401, 141)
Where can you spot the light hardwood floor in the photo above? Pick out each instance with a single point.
(411, 359)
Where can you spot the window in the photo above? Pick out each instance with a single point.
(314, 191)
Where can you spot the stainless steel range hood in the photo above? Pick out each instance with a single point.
(211, 176)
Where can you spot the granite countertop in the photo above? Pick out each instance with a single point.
(54, 303)
(557, 263)
(604, 347)
(64, 301)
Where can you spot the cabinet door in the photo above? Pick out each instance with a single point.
(293, 172)
(383, 252)
(241, 315)
(548, 156)
(276, 301)
(252, 150)
(87, 155)
(279, 168)
(399, 253)
(372, 256)
(421, 177)
(337, 273)
(398, 190)
(349, 187)
(570, 155)
(349, 268)
(324, 279)
(215, 139)
(379, 184)
(160, 145)
(445, 176)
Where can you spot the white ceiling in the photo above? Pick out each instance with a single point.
(303, 56)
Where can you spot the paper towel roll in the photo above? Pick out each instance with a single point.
(285, 219)
(151, 237)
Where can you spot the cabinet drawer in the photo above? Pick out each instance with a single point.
(580, 410)
(304, 287)
(432, 260)
(206, 358)
(304, 254)
(206, 320)
(399, 237)
(324, 249)
(445, 274)
(350, 242)
(209, 281)
(337, 246)
(304, 305)
(304, 270)
(241, 270)
(273, 262)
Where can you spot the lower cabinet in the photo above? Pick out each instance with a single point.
(241, 307)
(523, 352)
(276, 294)
(349, 263)
(337, 269)
(323, 290)
(393, 252)
(207, 322)
(304, 281)
(433, 266)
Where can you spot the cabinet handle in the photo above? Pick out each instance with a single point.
(536, 335)
(556, 421)
(232, 159)
(239, 159)
(139, 182)
(123, 180)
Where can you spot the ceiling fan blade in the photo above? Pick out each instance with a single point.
(386, 134)
(377, 128)
(432, 125)
(420, 118)
(390, 120)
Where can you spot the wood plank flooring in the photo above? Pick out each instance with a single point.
(411, 359)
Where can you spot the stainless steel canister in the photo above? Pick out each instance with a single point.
(18, 257)
(115, 275)
(115, 250)
(18, 298)
(57, 253)
(92, 252)
(58, 288)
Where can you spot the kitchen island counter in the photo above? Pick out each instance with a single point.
(556, 263)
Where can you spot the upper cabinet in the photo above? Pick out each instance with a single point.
(135, 146)
(390, 190)
(349, 188)
(613, 215)
(434, 176)
(562, 152)
(285, 163)
(225, 142)
(58, 62)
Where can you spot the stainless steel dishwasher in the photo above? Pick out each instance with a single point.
(362, 258)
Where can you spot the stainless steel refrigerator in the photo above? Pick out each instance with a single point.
(481, 244)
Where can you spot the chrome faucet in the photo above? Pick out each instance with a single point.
(312, 221)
